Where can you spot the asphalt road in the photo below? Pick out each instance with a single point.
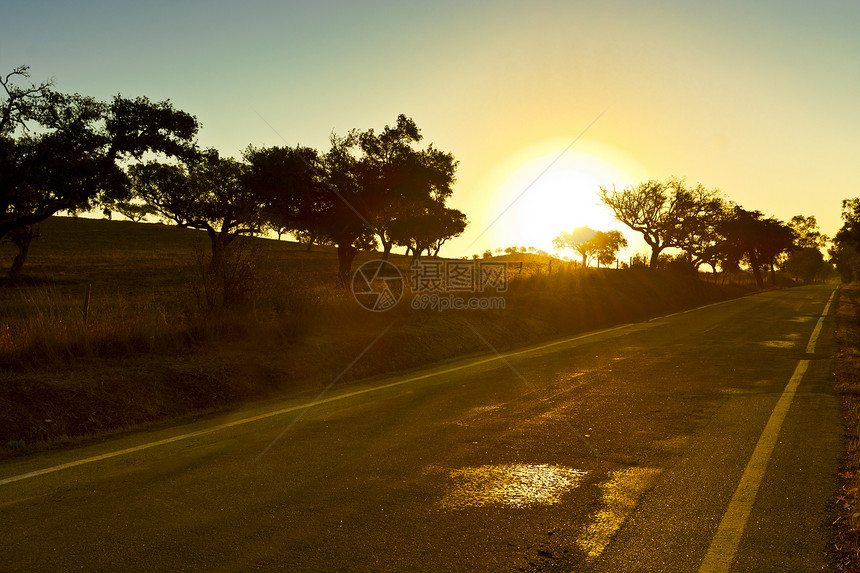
(621, 450)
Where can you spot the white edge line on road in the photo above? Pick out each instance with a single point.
(724, 545)
(282, 411)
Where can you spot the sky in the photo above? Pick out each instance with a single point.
(540, 102)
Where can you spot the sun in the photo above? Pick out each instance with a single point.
(544, 192)
(560, 200)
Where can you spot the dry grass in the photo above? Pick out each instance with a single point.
(847, 373)
(162, 340)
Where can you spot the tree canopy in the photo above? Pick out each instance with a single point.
(666, 213)
(63, 152)
(602, 246)
(368, 188)
(207, 194)
(845, 252)
(404, 186)
(755, 240)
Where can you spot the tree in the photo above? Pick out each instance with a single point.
(608, 243)
(700, 236)
(806, 232)
(665, 213)
(135, 212)
(208, 194)
(63, 152)
(845, 252)
(342, 206)
(451, 224)
(806, 264)
(600, 245)
(580, 241)
(428, 230)
(21, 237)
(316, 195)
(757, 241)
(398, 180)
(310, 238)
(288, 182)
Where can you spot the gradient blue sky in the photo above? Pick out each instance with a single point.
(758, 99)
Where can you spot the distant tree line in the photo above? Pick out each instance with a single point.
(710, 230)
(71, 153)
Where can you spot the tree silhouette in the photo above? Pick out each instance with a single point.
(342, 207)
(807, 235)
(63, 152)
(755, 240)
(135, 212)
(845, 252)
(600, 245)
(208, 194)
(380, 187)
(398, 180)
(579, 241)
(428, 230)
(806, 264)
(700, 234)
(608, 244)
(289, 183)
(666, 213)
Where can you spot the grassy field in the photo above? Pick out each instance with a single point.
(112, 325)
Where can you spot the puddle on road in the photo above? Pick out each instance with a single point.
(621, 493)
(514, 485)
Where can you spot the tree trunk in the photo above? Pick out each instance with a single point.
(21, 237)
(220, 243)
(756, 269)
(655, 257)
(345, 255)
(386, 245)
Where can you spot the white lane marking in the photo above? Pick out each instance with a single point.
(810, 348)
(724, 545)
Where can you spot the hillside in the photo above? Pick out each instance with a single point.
(151, 347)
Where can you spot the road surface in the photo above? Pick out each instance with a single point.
(703, 441)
